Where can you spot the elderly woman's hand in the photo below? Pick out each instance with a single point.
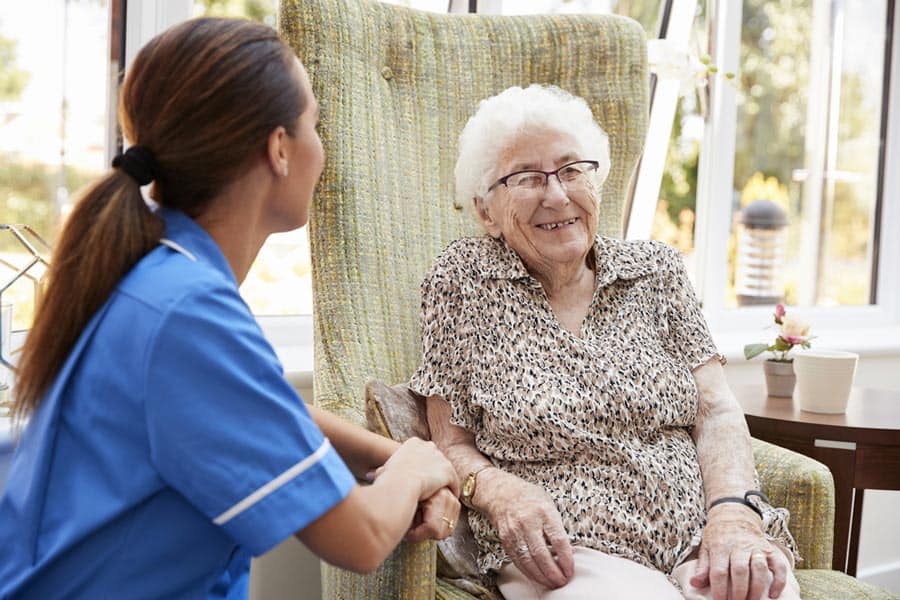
(530, 527)
(436, 517)
(735, 556)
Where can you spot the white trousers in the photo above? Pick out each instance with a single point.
(599, 575)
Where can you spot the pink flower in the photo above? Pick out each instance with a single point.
(791, 332)
(779, 313)
(793, 329)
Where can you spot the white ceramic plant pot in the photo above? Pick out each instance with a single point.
(824, 379)
(780, 378)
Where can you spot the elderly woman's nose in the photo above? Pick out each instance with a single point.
(554, 192)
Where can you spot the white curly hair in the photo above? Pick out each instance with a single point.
(501, 118)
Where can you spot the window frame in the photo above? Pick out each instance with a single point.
(871, 329)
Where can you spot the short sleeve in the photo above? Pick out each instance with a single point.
(687, 337)
(228, 432)
(445, 369)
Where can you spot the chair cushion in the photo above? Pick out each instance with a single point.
(822, 584)
(399, 413)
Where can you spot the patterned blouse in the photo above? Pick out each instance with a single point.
(602, 421)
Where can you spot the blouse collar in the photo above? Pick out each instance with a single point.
(614, 259)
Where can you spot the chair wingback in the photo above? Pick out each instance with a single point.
(395, 88)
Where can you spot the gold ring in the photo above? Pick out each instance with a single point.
(758, 555)
(450, 523)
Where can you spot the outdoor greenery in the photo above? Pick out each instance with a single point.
(12, 79)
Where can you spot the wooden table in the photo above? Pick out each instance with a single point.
(861, 447)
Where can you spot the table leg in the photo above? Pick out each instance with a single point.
(855, 521)
(842, 465)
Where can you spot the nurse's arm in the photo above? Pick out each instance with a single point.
(361, 531)
(362, 450)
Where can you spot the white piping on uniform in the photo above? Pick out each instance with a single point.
(273, 485)
(177, 248)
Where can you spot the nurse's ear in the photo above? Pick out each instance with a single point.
(277, 152)
(480, 206)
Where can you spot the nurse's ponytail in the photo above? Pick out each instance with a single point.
(108, 231)
(200, 101)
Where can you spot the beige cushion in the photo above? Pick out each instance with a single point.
(399, 413)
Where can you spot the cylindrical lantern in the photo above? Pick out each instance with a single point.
(759, 273)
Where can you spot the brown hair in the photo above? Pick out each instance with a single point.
(203, 98)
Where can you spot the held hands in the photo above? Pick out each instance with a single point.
(529, 526)
(736, 557)
(436, 518)
(422, 460)
(438, 490)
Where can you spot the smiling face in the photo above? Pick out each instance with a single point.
(549, 228)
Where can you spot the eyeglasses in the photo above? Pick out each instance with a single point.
(573, 177)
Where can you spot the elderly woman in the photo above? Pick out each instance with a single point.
(573, 383)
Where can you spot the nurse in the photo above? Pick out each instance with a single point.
(164, 446)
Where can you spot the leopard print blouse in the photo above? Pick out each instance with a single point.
(601, 421)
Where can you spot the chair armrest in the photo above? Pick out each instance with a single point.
(806, 488)
(407, 574)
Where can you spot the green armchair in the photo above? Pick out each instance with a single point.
(395, 87)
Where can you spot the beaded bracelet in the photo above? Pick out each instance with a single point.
(745, 501)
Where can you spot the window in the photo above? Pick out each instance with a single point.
(809, 126)
(55, 69)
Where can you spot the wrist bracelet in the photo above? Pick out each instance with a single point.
(745, 501)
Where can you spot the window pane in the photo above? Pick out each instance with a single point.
(852, 180)
(258, 10)
(54, 68)
(808, 132)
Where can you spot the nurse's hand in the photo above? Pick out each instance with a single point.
(436, 518)
(421, 460)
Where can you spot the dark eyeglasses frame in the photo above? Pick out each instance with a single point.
(502, 181)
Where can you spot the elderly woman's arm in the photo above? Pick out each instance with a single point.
(524, 515)
(733, 531)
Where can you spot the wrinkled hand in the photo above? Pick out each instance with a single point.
(436, 517)
(529, 526)
(736, 557)
(422, 460)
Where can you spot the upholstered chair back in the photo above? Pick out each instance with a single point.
(395, 87)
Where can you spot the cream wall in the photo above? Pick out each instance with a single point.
(291, 571)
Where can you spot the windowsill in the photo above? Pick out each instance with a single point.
(298, 364)
(868, 342)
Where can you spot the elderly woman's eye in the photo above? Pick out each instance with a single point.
(529, 180)
(570, 173)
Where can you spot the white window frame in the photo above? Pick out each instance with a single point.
(870, 330)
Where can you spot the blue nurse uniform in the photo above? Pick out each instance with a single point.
(169, 449)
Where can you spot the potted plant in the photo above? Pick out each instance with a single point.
(779, 369)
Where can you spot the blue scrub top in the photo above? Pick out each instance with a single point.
(169, 449)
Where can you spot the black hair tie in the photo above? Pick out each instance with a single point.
(138, 163)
